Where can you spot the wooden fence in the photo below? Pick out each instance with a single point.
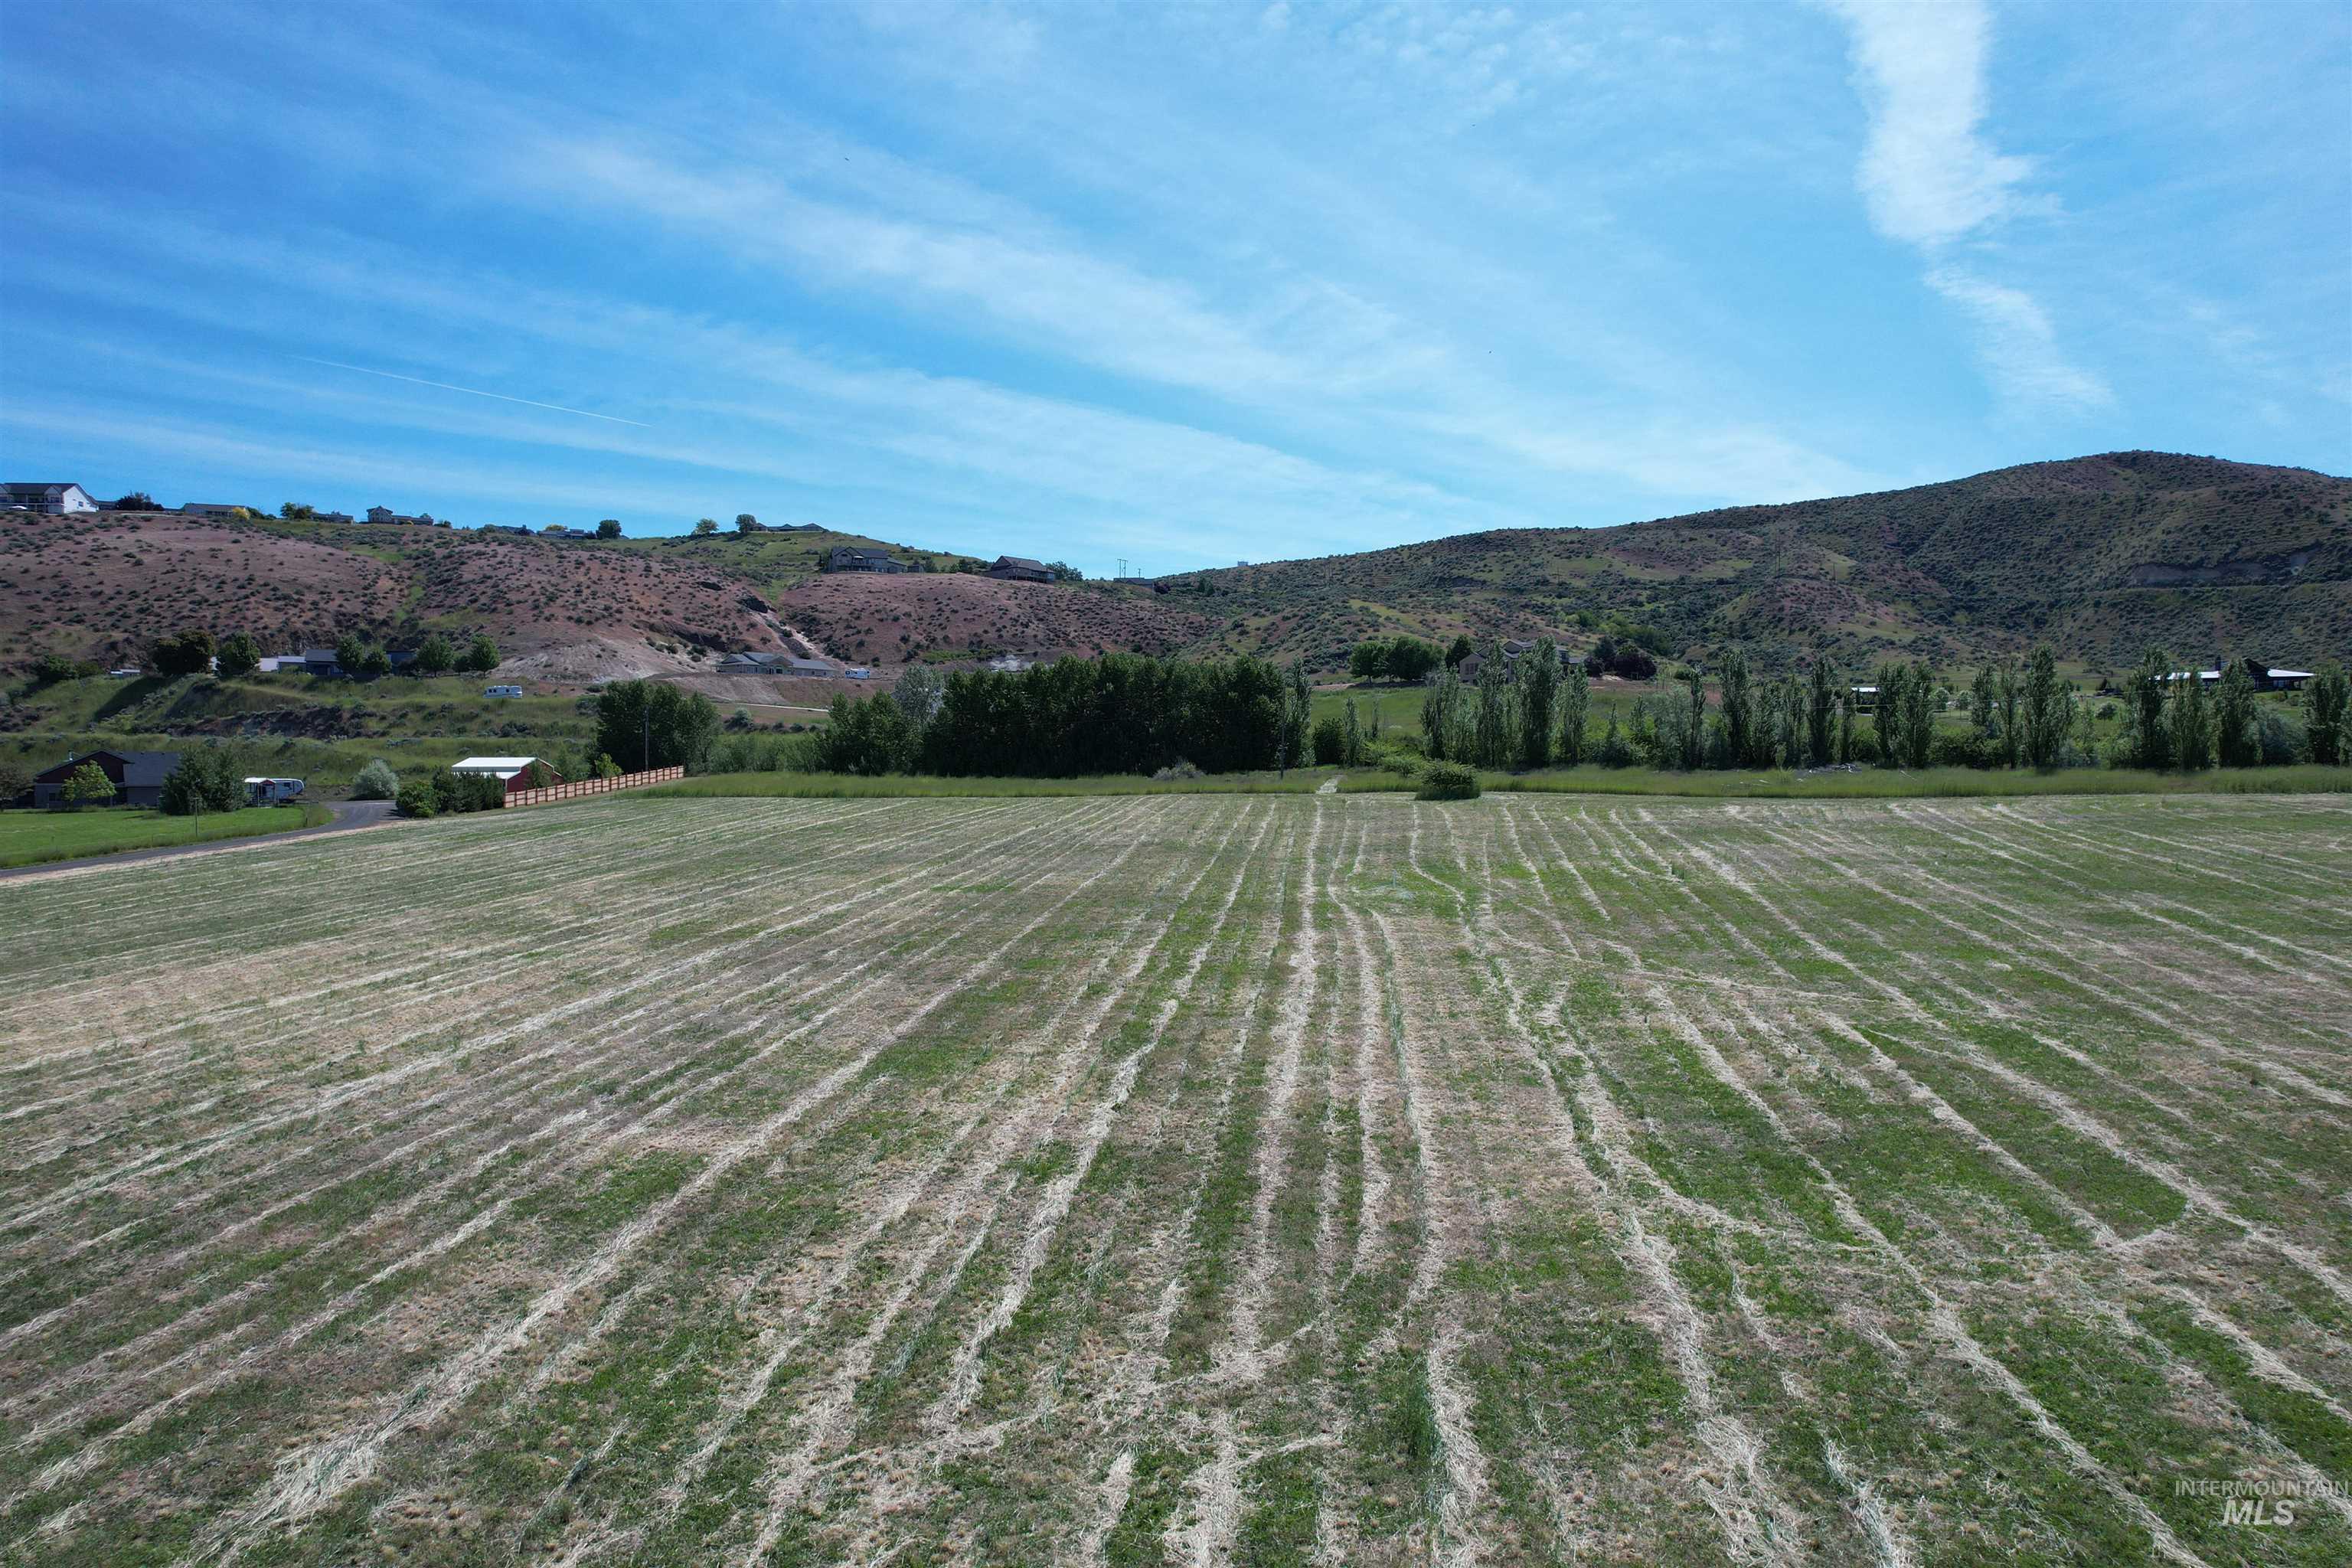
(593, 786)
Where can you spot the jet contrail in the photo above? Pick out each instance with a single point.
(502, 397)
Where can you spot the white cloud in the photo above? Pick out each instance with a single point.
(2018, 346)
(1931, 179)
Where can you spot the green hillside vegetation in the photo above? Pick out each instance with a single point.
(2101, 556)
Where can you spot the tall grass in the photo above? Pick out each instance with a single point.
(1883, 784)
(805, 786)
(1870, 783)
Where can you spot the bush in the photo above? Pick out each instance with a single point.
(52, 668)
(1329, 743)
(205, 780)
(1176, 772)
(2283, 738)
(375, 782)
(189, 653)
(1447, 780)
(416, 798)
(1969, 751)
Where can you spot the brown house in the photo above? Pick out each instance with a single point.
(138, 776)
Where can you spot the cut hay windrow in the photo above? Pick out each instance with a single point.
(1188, 1178)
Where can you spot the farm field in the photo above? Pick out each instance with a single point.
(1258, 1179)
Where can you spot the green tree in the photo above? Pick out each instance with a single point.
(87, 785)
(1694, 725)
(1575, 714)
(1490, 733)
(1984, 702)
(481, 656)
(2147, 734)
(416, 798)
(1459, 650)
(189, 652)
(1821, 695)
(1844, 753)
(920, 693)
(2192, 724)
(435, 655)
(375, 663)
(1352, 738)
(16, 781)
(1739, 726)
(297, 511)
(1327, 742)
(654, 724)
(608, 528)
(2327, 708)
(2008, 692)
(239, 656)
(2236, 730)
(206, 780)
(1369, 661)
(53, 666)
(350, 653)
(1538, 702)
(1441, 714)
(705, 526)
(137, 500)
(1297, 705)
(746, 523)
(2048, 710)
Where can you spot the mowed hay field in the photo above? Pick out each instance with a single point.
(1191, 1179)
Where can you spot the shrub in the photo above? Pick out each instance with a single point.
(1175, 772)
(1969, 751)
(2283, 738)
(416, 798)
(52, 668)
(375, 782)
(1330, 743)
(188, 653)
(205, 780)
(1447, 780)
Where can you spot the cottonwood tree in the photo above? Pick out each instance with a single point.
(1539, 697)
(2235, 733)
(2192, 724)
(1738, 714)
(1821, 709)
(2147, 731)
(87, 785)
(1352, 738)
(187, 653)
(481, 656)
(1490, 740)
(2327, 705)
(746, 523)
(435, 655)
(1441, 715)
(704, 526)
(2049, 713)
(1575, 714)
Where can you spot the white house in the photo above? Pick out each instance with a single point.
(54, 496)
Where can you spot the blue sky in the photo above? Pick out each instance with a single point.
(1180, 284)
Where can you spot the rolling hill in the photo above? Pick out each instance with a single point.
(2102, 556)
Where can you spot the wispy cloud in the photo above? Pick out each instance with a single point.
(470, 391)
(1933, 180)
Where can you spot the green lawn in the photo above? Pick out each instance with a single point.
(29, 836)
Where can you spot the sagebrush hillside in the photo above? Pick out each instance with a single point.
(2103, 556)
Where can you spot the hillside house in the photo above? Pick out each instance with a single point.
(2266, 678)
(751, 664)
(333, 517)
(855, 558)
(320, 661)
(807, 667)
(213, 509)
(54, 496)
(1019, 569)
(385, 514)
(138, 776)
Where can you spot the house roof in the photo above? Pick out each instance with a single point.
(496, 767)
(140, 770)
(35, 490)
(1022, 562)
(817, 666)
